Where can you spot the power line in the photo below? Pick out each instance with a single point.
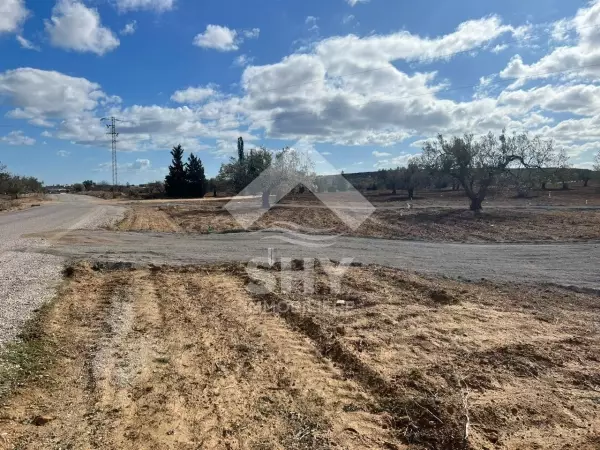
(112, 131)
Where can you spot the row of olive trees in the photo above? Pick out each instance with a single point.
(15, 185)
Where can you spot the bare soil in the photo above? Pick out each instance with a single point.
(187, 358)
(428, 224)
(142, 218)
(559, 216)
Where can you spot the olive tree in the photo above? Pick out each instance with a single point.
(288, 168)
(536, 165)
(475, 164)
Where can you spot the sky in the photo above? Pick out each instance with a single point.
(364, 83)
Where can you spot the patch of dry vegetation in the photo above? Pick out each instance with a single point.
(186, 358)
(431, 224)
(8, 204)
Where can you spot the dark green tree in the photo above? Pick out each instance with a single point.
(88, 184)
(196, 180)
(175, 181)
(240, 146)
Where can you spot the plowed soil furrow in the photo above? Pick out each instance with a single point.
(181, 359)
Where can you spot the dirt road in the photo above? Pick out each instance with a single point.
(564, 264)
(26, 276)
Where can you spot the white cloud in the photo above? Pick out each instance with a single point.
(499, 48)
(333, 94)
(243, 60)
(348, 18)
(218, 38)
(377, 154)
(397, 161)
(154, 5)
(27, 44)
(12, 15)
(63, 153)
(340, 90)
(252, 34)
(40, 95)
(73, 26)
(139, 165)
(354, 2)
(224, 39)
(561, 29)
(579, 61)
(194, 94)
(129, 28)
(311, 21)
(17, 138)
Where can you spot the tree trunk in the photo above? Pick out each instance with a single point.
(265, 199)
(476, 204)
(565, 186)
(585, 182)
(394, 190)
(411, 193)
(214, 192)
(544, 185)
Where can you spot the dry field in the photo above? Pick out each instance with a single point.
(433, 216)
(9, 204)
(431, 224)
(186, 358)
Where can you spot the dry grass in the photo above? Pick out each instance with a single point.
(186, 358)
(8, 204)
(432, 224)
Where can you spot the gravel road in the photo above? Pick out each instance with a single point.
(27, 277)
(565, 264)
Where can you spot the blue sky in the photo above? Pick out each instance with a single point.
(362, 82)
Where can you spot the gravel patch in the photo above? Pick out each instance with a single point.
(29, 278)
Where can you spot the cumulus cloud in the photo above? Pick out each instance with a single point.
(579, 61)
(153, 5)
(341, 90)
(74, 26)
(12, 15)
(40, 95)
(334, 94)
(17, 138)
(217, 37)
(194, 94)
(27, 44)
(224, 39)
(129, 28)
